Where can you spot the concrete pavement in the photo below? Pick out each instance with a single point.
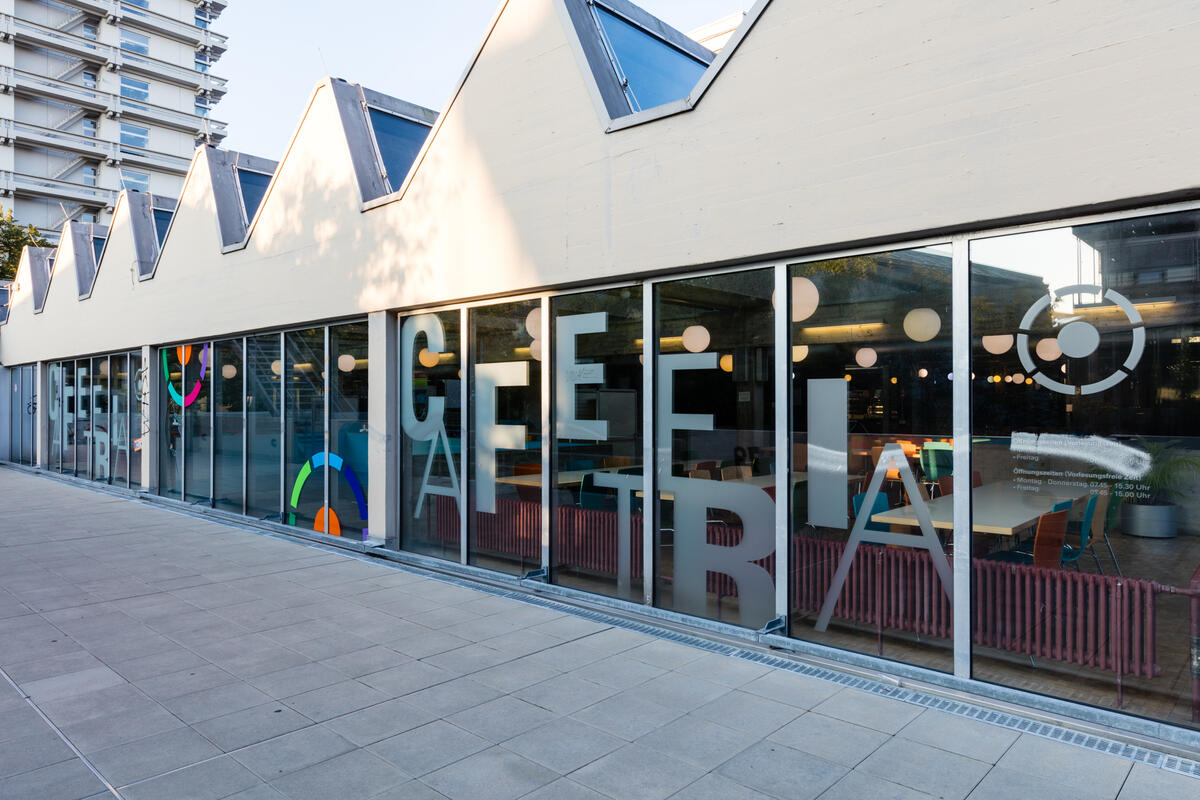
(151, 654)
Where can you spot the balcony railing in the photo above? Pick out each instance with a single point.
(62, 140)
(113, 105)
(149, 158)
(99, 53)
(200, 37)
(15, 183)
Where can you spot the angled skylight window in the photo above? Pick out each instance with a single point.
(253, 186)
(651, 71)
(3, 303)
(639, 62)
(399, 140)
(162, 221)
(98, 246)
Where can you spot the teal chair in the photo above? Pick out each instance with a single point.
(878, 507)
(937, 461)
(1071, 554)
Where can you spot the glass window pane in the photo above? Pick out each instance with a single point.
(431, 418)
(138, 181)
(135, 135)
(135, 42)
(506, 456)
(254, 188)
(170, 427)
(162, 221)
(1087, 399)
(83, 417)
(197, 421)
(264, 367)
(399, 142)
(596, 536)
(871, 424)
(101, 431)
(68, 432)
(304, 379)
(14, 415)
(54, 417)
(228, 369)
(137, 428)
(134, 89)
(655, 72)
(119, 411)
(716, 463)
(348, 430)
(97, 247)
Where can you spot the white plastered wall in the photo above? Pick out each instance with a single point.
(830, 123)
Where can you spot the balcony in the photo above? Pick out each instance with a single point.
(200, 38)
(17, 184)
(28, 84)
(24, 133)
(137, 156)
(38, 86)
(112, 57)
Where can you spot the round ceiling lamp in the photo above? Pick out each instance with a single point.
(228, 371)
(727, 362)
(922, 373)
(805, 298)
(533, 322)
(696, 338)
(535, 349)
(922, 324)
(799, 352)
(998, 344)
(346, 362)
(1048, 350)
(1018, 377)
(277, 366)
(866, 357)
(427, 358)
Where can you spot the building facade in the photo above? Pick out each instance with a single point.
(99, 96)
(868, 337)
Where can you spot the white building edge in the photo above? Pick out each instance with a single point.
(818, 129)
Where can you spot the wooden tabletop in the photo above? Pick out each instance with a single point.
(996, 508)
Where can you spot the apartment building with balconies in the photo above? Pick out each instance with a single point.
(97, 96)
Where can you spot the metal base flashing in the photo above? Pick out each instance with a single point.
(1137, 739)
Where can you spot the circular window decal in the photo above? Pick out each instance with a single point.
(1079, 339)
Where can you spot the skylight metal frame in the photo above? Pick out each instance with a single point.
(237, 182)
(664, 34)
(367, 108)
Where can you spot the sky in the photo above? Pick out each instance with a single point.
(412, 49)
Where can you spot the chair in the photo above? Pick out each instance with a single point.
(878, 507)
(711, 466)
(530, 494)
(1047, 542)
(937, 461)
(591, 498)
(1100, 530)
(1070, 555)
(945, 485)
(700, 474)
(976, 478)
(735, 472)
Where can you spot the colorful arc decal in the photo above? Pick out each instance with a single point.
(335, 461)
(185, 355)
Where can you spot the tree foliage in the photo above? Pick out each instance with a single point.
(13, 238)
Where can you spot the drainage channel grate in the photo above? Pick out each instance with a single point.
(1013, 722)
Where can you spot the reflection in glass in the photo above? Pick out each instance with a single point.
(14, 415)
(654, 71)
(228, 374)
(83, 417)
(715, 444)
(68, 418)
(304, 379)
(1086, 352)
(871, 426)
(596, 457)
(399, 141)
(348, 430)
(264, 369)
(505, 458)
(137, 429)
(54, 417)
(197, 380)
(170, 427)
(431, 419)
(119, 412)
(28, 413)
